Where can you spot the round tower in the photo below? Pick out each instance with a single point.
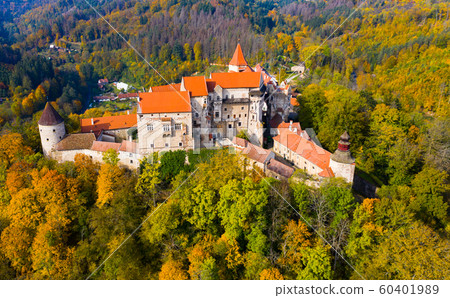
(341, 161)
(51, 129)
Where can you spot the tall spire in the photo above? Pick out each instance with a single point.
(238, 57)
(342, 153)
(50, 116)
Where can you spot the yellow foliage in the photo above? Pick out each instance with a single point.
(271, 274)
(172, 270)
(109, 177)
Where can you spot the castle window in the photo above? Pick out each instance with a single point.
(54, 130)
(217, 114)
(218, 97)
(228, 116)
(151, 145)
(178, 126)
(232, 96)
(226, 96)
(225, 109)
(47, 140)
(205, 101)
(166, 127)
(60, 138)
(167, 145)
(240, 123)
(180, 144)
(253, 117)
(131, 161)
(242, 108)
(245, 115)
(229, 125)
(196, 115)
(239, 115)
(150, 127)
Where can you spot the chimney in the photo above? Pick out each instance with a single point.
(290, 125)
(128, 112)
(92, 121)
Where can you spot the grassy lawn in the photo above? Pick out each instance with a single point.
(116, 105)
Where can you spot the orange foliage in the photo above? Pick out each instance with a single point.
(271, 274)
(172, 270)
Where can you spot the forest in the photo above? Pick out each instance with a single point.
(382, 75)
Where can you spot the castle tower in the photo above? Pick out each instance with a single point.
(51, 129)
(238, 62)
(341, 161)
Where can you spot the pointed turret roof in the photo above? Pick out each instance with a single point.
(238, 57)
(50, 116)
(342, 153)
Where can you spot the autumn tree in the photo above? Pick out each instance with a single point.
(172, 270)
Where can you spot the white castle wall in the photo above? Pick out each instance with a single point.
(346, 171)
(50, 136)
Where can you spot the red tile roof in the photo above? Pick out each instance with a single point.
(286, 125)
(104, 146)
(165, 102)
(237, 79)
(127, 95)
(108, 123)
(195, 85)
(305, 148)
(252, 151)
(327, 172)
(238, 57)
(280, 168)
(166, 88)
(128, 146)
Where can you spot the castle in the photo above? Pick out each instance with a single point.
(198, 112)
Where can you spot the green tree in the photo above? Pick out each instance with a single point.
(149, 180)
(111, 157)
